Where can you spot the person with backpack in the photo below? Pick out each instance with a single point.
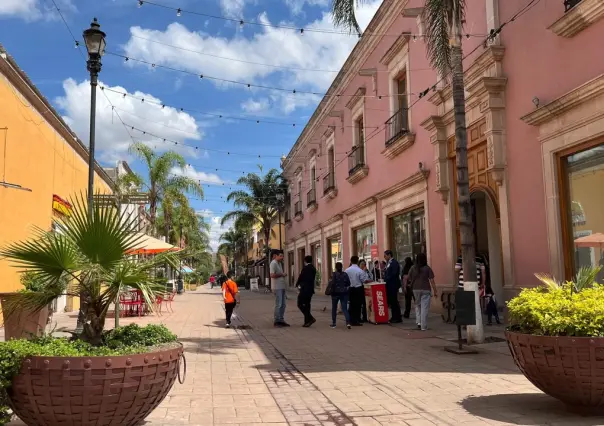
(338, 289)
(230, 294)
(491, 303)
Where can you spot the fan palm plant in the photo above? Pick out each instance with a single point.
(163, 185)
(259, 204)
(89, 255)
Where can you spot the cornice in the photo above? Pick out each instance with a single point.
(358, 96)
(396, 47)
(417, 177)
(432, 122)
(332, 219)
(578, 18)
(565, 103)
(385, 16)
(365, 203)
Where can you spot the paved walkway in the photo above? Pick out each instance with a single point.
(372, 375)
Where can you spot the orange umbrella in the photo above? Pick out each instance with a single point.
(149, 245)
(593, 240)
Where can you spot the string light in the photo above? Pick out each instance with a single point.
(178, 12)
(140, 3)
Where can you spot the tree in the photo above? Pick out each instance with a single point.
(165, 188)
(443, 21)
(258, 204)
(234, 242)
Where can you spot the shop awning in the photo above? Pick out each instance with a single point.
(260, 262)
(593, 240)
(151, 245)
(186, 269)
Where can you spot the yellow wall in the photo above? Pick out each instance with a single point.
(37, 157)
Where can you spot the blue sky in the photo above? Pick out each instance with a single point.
(34, 34)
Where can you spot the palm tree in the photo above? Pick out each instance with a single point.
(443, 21)
(88, 256)
(259, 204)
(163, 186)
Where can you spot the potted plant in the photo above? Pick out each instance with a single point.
(120, 375)
(556, 337)
(23, 322)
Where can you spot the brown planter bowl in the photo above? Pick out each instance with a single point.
(87, 391)
(23, 324)
(570, 369)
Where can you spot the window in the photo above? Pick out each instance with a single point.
(313, 177)
(398, 124)
(329, 181)
(357, 156)
(334, 245)
(583, 203)
(408, 234)
(316, 258)
(363, 239)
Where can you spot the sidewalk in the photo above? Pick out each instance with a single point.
(372, 375)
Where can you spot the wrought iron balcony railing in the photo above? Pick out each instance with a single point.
(397, 125)
(356, 159)
(329, 182)
(311, 197)
(288, 216)
(298, 208)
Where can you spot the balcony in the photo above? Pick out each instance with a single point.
(357, 169)
(288, 217)
(298, 215)
(311, 200)
(329, 185)
(578, 15)
(398, 136)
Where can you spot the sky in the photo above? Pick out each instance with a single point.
(190, 82)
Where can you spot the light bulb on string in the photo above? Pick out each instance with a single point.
(77, 44)
(178, 12)
(140, 3)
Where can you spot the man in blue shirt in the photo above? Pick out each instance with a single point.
(357, 291)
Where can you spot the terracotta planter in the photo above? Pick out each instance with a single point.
(566, 368)
(87, 391)
(22, 324)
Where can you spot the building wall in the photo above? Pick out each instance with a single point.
(37, 157)
(544, 53)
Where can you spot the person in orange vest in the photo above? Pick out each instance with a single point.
(230, 293)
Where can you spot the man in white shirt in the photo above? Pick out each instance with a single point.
(279, 287)
(357, 291)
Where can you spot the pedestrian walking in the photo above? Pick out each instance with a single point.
(367, 278)
(339, 288)
(424, 288)
(407, 289)
(392, 276)
(230, 294)
(356, 292)
(279, 287)
(306, 287)
(491, 305)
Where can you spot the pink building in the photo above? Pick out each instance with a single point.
(375, 164)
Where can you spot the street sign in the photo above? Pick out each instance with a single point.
(465, 307)
(254, 284)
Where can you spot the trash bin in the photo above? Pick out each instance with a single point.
(179, 285)
(377, 304)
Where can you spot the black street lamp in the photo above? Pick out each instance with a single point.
(95, 45)
(94, 39)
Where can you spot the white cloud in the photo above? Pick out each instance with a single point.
(112, 138)
(232, 8)
(205, 213)
(216, 230)
(203, 177)
(32, 10)
(275, 46)
(256, 107)
(296, 6)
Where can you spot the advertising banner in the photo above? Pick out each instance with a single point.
(377, 305)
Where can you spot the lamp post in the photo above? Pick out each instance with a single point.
(94, 39)
(95, 45)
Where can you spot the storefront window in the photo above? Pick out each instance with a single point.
(408, 234)
(363, 238)
(585, 208)
(316, 255)
(335, 253)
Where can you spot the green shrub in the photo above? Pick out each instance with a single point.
(568, 309)
(127, 340)
(240, 281)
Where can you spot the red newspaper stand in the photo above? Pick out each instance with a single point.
(377, 304)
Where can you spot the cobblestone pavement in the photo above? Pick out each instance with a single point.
(255, 374)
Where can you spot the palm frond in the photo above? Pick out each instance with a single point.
(438, 18)
(344, 14)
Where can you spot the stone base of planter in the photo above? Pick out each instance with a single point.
(570, 369)
(99, 391)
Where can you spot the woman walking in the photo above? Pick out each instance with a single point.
(340, 283)
(407, 289)
(424, 288)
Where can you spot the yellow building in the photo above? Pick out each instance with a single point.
(42, 164)
(257, 246)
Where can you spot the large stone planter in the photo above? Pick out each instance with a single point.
(99, 391)
(22, 323)
(569, 369)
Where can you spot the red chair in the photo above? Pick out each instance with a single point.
(127, 305)
(167, 299)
